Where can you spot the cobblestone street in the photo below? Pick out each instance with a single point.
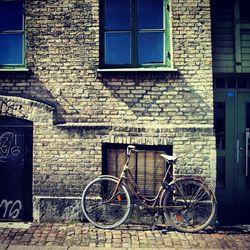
(84, 236)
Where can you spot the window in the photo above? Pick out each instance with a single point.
(244, 11)
(135, 33)
(242, 35)
(147, 166)
(11, 33)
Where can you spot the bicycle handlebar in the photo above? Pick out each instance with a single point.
(129, 149)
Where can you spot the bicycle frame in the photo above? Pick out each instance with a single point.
(128, 179)
(187, 202)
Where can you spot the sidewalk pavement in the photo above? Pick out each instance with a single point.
(55, 236)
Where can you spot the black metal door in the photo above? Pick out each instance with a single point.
(15, 169)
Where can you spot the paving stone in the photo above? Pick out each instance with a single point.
(84, 236)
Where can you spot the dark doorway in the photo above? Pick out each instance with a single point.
(16, 137)
(232, 126)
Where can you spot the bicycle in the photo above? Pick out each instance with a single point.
(187, 202)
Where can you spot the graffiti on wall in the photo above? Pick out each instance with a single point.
(9, 108)
(10, 209)
(13, 170)
(8, 146)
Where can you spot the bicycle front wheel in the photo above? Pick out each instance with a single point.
(104, 204)
(191, 205)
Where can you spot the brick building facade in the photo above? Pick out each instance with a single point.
(76, 107)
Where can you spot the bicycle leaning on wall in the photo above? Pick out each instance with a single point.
(187, 203)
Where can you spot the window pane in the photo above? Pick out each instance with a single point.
(150, 47)
(248, 141)
(117, 15)
(150, 14)
(150, 171)
(117, 48)
(231, 83)
(11, 15)
(244, 11)
(220, 124)
(220, 83)
(11, 49)
(147, 166)
(220, 178)
(248, 115)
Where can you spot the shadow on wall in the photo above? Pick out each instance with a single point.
(27, 85)
(163, 99)
(121, 99)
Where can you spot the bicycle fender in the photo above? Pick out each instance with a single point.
(117, 179)
(109, 176)
(198, 179)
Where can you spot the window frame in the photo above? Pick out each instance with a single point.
(134, 39)
(155, 149)
(21, 66)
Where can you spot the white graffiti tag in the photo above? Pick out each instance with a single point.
(8, 146)
(11, 209)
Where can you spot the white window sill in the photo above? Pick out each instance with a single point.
(14, 69)
(159, 69)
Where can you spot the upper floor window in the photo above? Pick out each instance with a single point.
(135, 33)
(11, 33)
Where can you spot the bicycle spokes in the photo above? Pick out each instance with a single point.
(105, 203)
(191, 205)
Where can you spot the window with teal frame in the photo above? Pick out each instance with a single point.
(11, 34)
(134, 33)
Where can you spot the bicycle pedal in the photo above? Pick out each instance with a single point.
(157, 216)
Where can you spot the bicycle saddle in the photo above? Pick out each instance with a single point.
(169, 158)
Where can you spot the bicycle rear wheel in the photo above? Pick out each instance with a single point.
(104, 207)
(192, 205)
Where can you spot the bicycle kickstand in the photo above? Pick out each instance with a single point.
(156, 216)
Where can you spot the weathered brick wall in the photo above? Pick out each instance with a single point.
(90, 109)
(63, 51)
